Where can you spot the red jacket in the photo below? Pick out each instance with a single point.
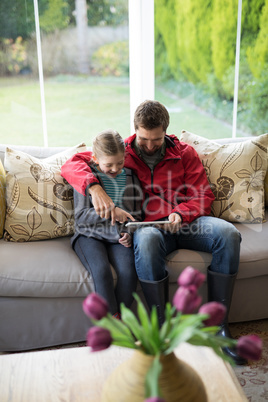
(177, 184)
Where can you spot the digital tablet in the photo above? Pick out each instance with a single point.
(146, 223)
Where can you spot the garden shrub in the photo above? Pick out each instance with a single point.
(13, 56)
(197, 41)
(165, 22)
(258, 52)
(111, 59)
(193, 38)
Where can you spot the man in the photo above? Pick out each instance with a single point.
(176, 190)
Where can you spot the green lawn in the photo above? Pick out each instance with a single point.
(77, 108)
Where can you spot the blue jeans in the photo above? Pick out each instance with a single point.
(96, 256)
(209, 234)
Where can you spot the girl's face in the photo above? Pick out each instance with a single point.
(111, 165)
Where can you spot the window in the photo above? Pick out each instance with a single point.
(57, 87)
(196, 43)
(63, 83)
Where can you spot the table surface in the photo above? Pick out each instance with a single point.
(77, 375)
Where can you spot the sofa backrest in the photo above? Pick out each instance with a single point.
(37, 152)
(45, 152)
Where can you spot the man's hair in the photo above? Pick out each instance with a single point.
(107, 143)
(151, 114)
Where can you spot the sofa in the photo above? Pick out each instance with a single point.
(42, 281)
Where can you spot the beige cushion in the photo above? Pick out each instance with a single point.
(236, 173)
(266, 189)
(2, 198)
(39, 200)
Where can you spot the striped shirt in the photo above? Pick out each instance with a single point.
(114, 187)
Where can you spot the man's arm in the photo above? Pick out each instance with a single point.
(77, 172)
(79, 175)
(102, 203)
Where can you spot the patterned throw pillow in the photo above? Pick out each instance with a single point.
(39, 200)
(266, 189)
(2, 199)
(236, 173)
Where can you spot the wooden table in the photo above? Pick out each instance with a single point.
(77, 375)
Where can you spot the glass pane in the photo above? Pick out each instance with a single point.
(195, 66)
(85, 61)
(20, 109)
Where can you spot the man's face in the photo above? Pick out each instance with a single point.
(150, 140)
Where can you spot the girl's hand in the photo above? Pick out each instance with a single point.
(125, 240)
(121, 215)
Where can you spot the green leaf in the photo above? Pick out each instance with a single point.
(223, 356)
(140, 334)
(212, 330)
(166, 327)
(216, 342)
(130, 320)
(124, 343)
(154, 328)
(152, 379)
(179, 336)
(142, 314)
(116, 328)
(182, 329)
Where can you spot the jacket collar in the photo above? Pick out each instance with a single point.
(172, 146)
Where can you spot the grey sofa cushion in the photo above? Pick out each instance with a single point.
(48, 268)
(253, 254)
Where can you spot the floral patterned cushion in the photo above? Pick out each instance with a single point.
(266, 189)
(39, 200)
(236, 173)
(2, 198)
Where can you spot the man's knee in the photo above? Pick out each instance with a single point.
(230, 234)
(147, 238)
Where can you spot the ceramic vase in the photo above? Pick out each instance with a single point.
(178, 381)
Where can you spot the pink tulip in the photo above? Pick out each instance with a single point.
(186, 299)
(95, 306)
(98, 339)
(249, 347)
(154, 399)
(216, 312)
(191, 276)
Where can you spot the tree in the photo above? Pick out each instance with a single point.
(55, 16)
(258, 52)
(81, 25)
(193, 34)
(165, 22)
(17, 17)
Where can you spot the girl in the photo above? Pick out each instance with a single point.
(98, 243)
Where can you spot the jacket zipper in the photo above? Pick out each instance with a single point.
(152, 179)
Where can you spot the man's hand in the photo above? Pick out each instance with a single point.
(126, 239)
(102, 203)
(121, 215)
(174, 225)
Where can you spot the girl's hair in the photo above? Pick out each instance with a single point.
(108, 142)
(151, 114)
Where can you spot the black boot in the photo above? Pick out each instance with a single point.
(220, 289)
(156, 294)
